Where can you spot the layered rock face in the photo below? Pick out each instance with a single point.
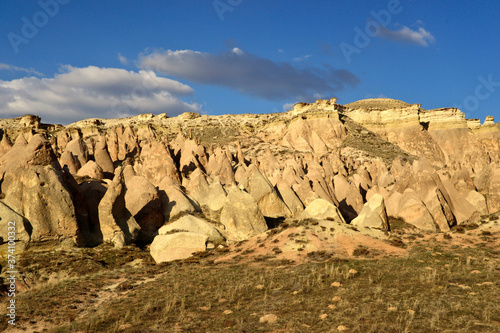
(121, 180)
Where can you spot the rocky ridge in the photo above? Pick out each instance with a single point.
(122, 180)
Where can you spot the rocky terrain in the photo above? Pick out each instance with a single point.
(231, 177)
(320, 178)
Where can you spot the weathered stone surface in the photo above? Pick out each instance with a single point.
(290, 198)
(73, 164)
(92, 170)
(219, 165)
(177, 246)
(33, 186)
(93, 191)
(488, 184)
(102, 157)
(304, 191)
(241, 216)
(190, 223)
(478, 201)
(118, 225)
(157, 163)
(13, 227)
(344, 155)
(264, 193)
(142, 200)
(321, 209)
(5, 145)
(173, 200)
(373, 214)
(211, 197)
(349, 197)
(414, 211)
(78, 148)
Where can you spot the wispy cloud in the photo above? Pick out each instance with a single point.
(79, 93)
(288, 106)
(123, 60)
(299, 59)
(12, 68)
(249, 74)
(420, 36)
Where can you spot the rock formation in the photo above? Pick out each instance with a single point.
(121, 180)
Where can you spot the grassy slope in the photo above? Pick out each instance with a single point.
(437, 288)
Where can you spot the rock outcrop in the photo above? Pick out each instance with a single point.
(321, 209)
(33, 185)
(373, 214)
(180, 245)
(121, 180)
(118, 225)
(241, 216)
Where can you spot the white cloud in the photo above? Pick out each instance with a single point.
(288, 106)
(19, 69)
(79, 93)
(420, 36)
(298, 59)
(249, 74)
(123, 59)
(237, 51)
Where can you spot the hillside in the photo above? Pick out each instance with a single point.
(372, 179)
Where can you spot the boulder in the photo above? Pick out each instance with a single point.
(190, 223)
(478, 201)
(210, 197)
(321, 209)
(181, 245)
(440, 210)
(412, 210)
(241, 216)
(290, 198)
(463, 210)
(92, 170)
(373, 214)
(259, 187)
(173, 200)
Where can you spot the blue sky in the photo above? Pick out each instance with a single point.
(67, 60)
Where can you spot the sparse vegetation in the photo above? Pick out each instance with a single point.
(434, 289)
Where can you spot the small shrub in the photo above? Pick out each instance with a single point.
(361, 251)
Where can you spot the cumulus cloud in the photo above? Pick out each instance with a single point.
(420, 36)
(19, 69)
(79, 93)
(249, 74)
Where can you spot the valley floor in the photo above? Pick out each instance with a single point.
(441, 286)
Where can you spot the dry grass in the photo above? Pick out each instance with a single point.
(432, 290)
